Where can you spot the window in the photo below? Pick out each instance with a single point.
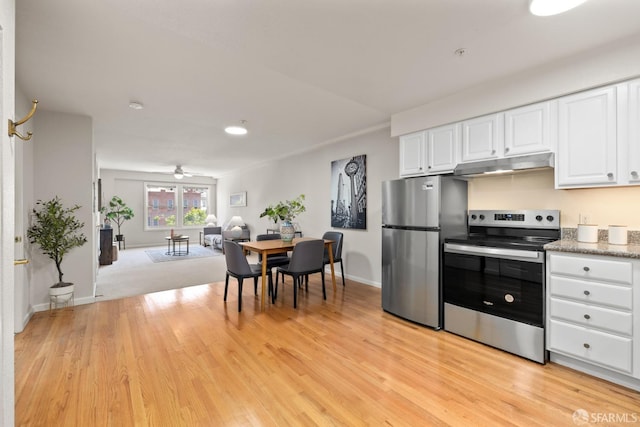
(196, 215)
(161, 200)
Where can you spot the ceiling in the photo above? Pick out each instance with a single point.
(301, 73)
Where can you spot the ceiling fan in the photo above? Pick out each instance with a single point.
(179, 173)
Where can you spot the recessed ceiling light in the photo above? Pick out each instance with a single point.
(552, 7)
(237, 130)
(136, 105)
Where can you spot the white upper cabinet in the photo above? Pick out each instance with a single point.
(483, 138)
(412, 154)
(528, 129)
(633, 136)
(587, 139)
(443, 148)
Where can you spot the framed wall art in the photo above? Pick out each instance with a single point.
(349, 193)
(238, 199)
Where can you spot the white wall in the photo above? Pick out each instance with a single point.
(610, 63)
(24, 203)
(7, 110)
(310, 174)
(130, 187)
(63, 166)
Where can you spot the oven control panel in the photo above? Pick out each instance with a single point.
(520, 218)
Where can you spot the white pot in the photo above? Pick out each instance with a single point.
(61, 294)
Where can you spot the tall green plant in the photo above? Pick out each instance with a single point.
(56, 230)
(117, 211)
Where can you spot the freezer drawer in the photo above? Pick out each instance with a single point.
(410, 275)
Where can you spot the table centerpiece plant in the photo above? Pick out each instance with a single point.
(285, 211)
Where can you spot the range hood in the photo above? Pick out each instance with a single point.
(506, 165)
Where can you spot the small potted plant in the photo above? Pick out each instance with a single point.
(285, 211)
(118, 212)
(57, 230)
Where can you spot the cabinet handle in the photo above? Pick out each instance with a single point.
(586, 316)
(610, 175)
(429, 167)
(493, 151)
(506, 150)
(586, 268)
(586, 345)
(587, 293)
(634, 174)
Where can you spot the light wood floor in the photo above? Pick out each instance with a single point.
(184, 358)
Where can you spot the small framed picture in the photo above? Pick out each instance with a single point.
(238, 199)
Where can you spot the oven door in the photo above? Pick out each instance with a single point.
(507, 283)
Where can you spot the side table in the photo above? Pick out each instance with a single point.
(171, 250)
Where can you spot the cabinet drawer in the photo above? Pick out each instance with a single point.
(591, 316)
(590, 345)
(591, 292)
(591, 268)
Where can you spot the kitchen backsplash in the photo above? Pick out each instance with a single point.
(535, 190)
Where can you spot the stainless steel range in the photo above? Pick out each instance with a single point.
(494, 279)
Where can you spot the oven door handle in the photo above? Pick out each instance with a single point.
(531, 256)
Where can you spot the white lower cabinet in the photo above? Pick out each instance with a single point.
(593, 314)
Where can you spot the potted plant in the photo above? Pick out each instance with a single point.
(285, 211)
(57, 230)
(118, 212)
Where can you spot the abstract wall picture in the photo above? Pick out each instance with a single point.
(349, 193)
(238, 199)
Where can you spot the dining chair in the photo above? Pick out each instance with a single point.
(336, 247)
(239, 267)
(306, 258)
(273, 260)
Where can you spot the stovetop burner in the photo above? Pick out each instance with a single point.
(525, 230)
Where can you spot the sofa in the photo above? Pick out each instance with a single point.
(215, 236)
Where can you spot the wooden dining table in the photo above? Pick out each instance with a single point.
(266, 247)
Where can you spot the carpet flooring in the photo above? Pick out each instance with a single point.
(134, 273)
(160, 255)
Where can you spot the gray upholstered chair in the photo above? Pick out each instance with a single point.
(239, 267)
(336, 246)
(273, 260)
(306, 258)
(212, 236)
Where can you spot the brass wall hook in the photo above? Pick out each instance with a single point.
(13, 125)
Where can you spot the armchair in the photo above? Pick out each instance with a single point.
(213, 237)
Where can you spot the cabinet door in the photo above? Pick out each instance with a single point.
(528, 129)
(443, 148)
(633, 141)
(587, 139)
(482, 138)
(412, 154)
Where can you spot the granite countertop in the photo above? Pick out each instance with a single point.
(600, 248)
(569, 243)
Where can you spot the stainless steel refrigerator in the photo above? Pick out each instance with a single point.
(417, 214)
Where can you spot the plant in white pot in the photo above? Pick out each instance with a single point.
(118, 212)
(285, 211)
(56, 230)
